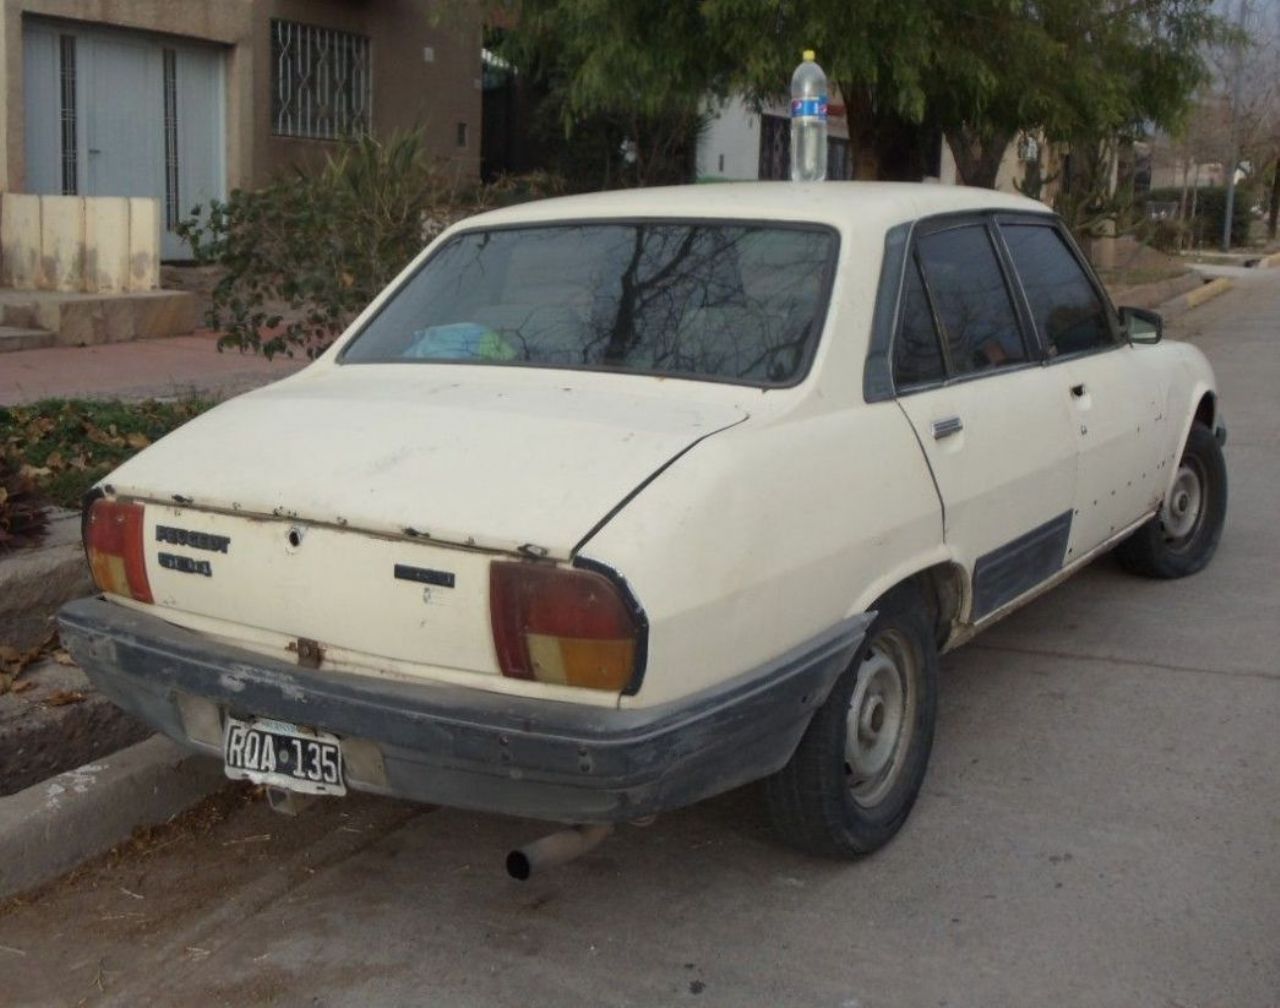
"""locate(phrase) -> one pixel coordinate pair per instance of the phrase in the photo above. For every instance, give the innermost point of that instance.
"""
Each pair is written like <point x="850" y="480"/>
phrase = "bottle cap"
<point x="810" y="55"/>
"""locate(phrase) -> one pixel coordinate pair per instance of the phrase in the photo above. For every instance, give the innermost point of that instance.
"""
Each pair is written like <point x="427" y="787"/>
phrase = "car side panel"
<point x="1007" y="475"/>
<point x="1190" y="379"/>
<point x="1118" y="408"/>
<point x="762" y="536"/>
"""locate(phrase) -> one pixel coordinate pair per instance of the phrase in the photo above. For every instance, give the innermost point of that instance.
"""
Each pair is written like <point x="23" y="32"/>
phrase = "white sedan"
<point x="614" y="502"/>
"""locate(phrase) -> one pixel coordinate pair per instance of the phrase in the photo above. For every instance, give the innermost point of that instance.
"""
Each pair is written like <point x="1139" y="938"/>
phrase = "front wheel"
<point x="1182" y="538"/>
<point x="855" y="775"/>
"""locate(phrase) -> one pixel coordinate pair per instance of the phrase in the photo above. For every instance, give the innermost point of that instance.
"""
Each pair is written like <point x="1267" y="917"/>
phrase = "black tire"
<point x="818" y="802"/>
<point x="1177" y="542"/>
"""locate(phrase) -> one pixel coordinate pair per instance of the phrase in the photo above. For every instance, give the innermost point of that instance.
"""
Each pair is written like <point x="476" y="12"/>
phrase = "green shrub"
<point x="1205" y="228"/>
<point x="1167" y="234"/>
<point x="302" y="256"/>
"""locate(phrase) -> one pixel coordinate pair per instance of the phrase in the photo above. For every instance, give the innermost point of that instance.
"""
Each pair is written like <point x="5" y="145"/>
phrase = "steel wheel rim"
<point x="1183" y="510"/>
<point x="881" y="718"/>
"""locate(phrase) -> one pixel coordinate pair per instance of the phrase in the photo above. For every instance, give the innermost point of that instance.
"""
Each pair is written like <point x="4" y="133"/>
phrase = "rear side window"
<point x="979" y="326"/>
<point x="917" y="355"/>
<point x="1069" y="315"/>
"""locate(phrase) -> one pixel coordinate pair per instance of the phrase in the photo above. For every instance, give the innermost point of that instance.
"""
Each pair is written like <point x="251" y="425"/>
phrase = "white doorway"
<point x="116" y="113"/>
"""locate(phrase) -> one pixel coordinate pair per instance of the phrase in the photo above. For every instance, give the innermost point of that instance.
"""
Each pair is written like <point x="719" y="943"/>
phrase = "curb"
<point x="35" y="581"/>
<point x="1269" y="262"/>
<point x="1194" y="299"/>
<point x="53" y="826"/>
<point x="1208" y="292"/>
<point x="1151" y="295"/>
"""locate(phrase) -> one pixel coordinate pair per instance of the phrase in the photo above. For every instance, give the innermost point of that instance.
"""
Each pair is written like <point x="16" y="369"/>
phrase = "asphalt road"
<point x="1100" y="826"/>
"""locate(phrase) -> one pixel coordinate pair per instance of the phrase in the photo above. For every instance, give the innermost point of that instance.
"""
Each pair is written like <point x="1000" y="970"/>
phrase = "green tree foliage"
<point x="979" y="71"/>
<point x="623" y="84"/>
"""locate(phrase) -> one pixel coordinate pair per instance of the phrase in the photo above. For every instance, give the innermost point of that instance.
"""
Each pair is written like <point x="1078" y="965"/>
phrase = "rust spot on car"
<point x="310" y="653"/>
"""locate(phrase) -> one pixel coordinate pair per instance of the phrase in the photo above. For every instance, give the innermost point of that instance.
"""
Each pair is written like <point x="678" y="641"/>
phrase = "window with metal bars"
<point x="170" y="139"/>
<point x="67" y="113"/>
<point x="321" y="83"/>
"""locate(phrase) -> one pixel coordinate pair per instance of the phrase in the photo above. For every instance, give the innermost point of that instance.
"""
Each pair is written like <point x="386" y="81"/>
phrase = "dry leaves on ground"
<point x="14" y="662"/>
<point x="62" y="697"/>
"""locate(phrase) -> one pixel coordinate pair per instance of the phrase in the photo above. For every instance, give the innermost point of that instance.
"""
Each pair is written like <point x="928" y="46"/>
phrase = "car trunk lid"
<point x="360" y="508"/>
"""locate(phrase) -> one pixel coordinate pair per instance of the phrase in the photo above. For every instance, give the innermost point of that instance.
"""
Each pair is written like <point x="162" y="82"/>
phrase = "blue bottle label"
<point x="809" y="108"/>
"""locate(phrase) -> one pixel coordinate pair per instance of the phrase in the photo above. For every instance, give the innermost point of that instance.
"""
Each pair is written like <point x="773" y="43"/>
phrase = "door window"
<point x="917" y="355"/>
<point x="1069" y="315"/>
<point x="979" y="325"/>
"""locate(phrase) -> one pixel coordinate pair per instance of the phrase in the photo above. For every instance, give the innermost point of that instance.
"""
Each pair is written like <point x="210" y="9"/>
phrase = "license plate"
<point x="283" y="755"/>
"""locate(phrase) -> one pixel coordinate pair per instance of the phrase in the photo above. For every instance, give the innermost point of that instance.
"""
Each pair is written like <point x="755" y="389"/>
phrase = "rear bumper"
<point x="463" y="747"/>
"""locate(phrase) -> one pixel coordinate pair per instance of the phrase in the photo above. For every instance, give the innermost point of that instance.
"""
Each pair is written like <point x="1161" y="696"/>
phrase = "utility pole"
<point x="1236" y="72"/>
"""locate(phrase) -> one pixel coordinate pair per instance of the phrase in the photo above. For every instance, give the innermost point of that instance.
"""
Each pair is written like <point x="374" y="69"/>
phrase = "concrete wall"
<point x="95" y="244"/>
<point x="730" y="146"/>
<point x="408" y="90"/>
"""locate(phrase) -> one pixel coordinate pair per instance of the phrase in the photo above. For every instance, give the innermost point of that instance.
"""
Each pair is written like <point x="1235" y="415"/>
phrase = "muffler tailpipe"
<point x="556" y="849"/>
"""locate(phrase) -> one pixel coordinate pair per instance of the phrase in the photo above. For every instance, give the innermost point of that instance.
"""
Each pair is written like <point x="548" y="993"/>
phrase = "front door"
<point x="996" y="430"/>
<point x="1115" y="402"/>
<point x="124" y="119"/>
<point x="118" y="113"/>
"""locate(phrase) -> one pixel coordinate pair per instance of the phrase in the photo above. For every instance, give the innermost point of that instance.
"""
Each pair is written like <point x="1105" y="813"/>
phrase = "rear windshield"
<point x="732" y="302"/>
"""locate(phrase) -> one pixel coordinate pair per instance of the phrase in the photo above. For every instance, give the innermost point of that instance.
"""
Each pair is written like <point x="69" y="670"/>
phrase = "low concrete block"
<point x="164" y="313"/>
<point x="19" y="240"/>
<point x="144" y="244"/>
<point x="53" y="826"/>
<point x="35" y="582"/>
<point x="12" y="339"/>
<point x="106" y="243"/>
<point x="61" y="243"/>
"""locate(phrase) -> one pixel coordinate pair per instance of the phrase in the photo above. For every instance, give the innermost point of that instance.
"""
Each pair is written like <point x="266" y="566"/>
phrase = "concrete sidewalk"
<point x="180" y="365"/>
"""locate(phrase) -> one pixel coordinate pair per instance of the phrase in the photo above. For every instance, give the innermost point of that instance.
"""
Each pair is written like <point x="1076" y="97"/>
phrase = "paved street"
<point x="1100" y="826"/>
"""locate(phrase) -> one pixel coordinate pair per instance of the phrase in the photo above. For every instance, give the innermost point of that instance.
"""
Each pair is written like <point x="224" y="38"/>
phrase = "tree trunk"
<point x="978" y="156"/>
<point x="883" y="145"/>
<point x="1275" y="201"/>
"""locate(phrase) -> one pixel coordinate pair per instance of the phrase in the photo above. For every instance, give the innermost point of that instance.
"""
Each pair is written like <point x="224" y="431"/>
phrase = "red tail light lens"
<point x="113" y="543"/>
<point x="557" y="625"/>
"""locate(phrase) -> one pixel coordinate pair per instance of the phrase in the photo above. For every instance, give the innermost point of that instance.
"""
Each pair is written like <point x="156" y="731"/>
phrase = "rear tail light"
<point x="113" y="544"/>
<point x="557" y="625"/>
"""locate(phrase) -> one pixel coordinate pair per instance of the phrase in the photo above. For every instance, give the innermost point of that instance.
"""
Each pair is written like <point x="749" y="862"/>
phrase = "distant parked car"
<point x="615" y="502"/>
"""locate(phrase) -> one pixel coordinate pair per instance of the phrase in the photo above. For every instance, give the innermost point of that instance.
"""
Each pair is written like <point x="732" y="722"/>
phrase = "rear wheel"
<point x="855" y="775"/>
<point x="1182" y="538"/>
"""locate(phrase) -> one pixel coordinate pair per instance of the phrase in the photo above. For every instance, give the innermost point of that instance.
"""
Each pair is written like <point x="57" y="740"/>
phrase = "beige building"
<point x="184" y="100"/>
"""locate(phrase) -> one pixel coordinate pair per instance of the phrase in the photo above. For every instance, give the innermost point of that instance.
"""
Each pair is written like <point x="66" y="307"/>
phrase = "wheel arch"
<point x="1206" y="410"/>
<point x="946" y="588"/>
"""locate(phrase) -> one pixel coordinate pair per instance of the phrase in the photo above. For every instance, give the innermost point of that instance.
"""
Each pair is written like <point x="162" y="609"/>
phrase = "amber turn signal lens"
<point x="113" y="544"/>
<point x="560" y="625"/>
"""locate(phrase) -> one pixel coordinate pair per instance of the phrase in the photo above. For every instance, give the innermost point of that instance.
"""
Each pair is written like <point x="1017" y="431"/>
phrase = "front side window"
<point x="723" y="301"/>
<point x="321" y="86"/>
<point x="1069" y="315"/>
<point x="979" y="326"/>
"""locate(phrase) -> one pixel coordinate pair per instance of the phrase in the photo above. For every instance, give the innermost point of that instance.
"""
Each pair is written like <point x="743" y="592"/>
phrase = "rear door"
<point x="1115" y="402"/>
<point x="993" y="423"/>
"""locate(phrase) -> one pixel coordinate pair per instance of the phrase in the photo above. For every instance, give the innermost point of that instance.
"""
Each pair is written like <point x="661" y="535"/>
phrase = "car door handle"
<point x="1078" y="390"/>
<point x="946" y="427"/>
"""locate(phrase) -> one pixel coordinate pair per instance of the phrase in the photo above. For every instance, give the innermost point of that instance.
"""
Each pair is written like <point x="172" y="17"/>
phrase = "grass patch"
<point x="68" y="445"/>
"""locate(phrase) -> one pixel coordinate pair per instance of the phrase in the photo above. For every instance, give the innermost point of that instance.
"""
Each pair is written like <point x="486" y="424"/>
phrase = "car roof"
<point x="839" y="204"/>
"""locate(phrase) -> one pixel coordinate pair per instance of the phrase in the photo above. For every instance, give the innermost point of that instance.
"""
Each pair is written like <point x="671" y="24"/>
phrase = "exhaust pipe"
<point x="556" y="849"/>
